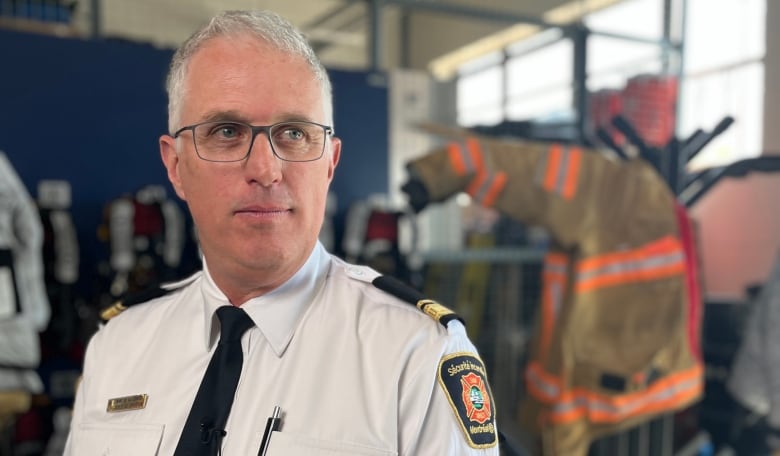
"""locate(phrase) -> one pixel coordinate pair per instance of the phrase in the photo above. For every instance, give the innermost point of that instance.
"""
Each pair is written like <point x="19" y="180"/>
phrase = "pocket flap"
<point x="289" y="444"/>
<point x="119" y="439"/>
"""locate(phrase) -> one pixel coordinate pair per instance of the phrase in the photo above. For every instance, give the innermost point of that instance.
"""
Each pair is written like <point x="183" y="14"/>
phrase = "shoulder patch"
<point x="463" y="378"/>
<point x="406" y="293"/>
<point x="142" y="296"/>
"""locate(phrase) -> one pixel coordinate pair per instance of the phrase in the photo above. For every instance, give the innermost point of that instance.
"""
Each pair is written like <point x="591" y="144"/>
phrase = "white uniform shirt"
<point x="354" y="370"/>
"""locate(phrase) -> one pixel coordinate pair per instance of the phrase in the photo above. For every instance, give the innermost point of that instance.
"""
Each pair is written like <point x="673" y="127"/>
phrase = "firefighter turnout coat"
<point x="616" y="341"/>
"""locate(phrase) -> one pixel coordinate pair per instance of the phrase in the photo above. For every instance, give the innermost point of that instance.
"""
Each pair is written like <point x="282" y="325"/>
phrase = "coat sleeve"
<point x="453" y="401"/>
<point x="570" y="191"/>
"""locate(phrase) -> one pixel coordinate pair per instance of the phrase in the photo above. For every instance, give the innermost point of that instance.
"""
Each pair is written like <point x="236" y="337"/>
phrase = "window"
<point x="724" y="75"/>
<point x="722" y="72"/>
<point x="480" y="92"/>
<point x="539" y="83"/>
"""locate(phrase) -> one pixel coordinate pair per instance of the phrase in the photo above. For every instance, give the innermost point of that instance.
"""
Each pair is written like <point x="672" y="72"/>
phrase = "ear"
<point x="335" y="154"/>
<point x="170" y="158"/>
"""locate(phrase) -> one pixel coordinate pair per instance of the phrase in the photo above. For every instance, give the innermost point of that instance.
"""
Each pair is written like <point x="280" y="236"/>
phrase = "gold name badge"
<point x="123" y="404"/>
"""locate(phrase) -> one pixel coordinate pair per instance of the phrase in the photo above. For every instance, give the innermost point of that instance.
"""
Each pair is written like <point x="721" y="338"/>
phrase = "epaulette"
<point x="130" y="299"/>
<point x="408" y="294"/>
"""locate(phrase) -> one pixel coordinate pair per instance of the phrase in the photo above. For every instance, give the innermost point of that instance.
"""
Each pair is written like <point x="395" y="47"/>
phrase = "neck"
<point x="240" y="282"/>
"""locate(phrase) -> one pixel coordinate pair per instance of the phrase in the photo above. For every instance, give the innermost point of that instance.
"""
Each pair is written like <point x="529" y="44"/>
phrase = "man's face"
<point x="259" y="218"/>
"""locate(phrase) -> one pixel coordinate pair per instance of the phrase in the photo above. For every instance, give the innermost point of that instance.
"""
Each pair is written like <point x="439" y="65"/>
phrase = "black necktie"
<point x="204" y="429"/>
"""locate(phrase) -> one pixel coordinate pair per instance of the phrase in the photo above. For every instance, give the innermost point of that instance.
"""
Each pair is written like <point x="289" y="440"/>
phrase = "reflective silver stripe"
<point x="541" y="170"/>
<point x="560" y="173"/>
<point x="563" y="167"/>
<point x="481" y="193"/>
<point x="466" y="156"/>
<point x="556" y="287"/>
<point x="616" y="268"/>
<point x="583" y="402"/>
<point x="556" y="290"/>
<point x="552" y="391"/>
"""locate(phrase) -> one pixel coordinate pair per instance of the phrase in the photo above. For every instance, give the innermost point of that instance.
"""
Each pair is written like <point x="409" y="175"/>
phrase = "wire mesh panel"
<point x="495" y="290"/>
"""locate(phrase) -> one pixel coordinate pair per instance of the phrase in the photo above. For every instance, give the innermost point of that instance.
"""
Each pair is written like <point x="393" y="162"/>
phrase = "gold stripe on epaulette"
<point x="433" y="309"/>
<point x="113" y="311"/>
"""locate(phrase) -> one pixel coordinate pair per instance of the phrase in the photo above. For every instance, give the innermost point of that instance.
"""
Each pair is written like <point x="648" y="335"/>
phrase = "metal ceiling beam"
<point x="375" y="17"/>
<point x="468" y="11"/>
<point x="318" y="21"/>
<point x="319" y="37"/>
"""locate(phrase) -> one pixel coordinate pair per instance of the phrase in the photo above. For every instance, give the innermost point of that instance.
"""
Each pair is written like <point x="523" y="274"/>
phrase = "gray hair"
<point x="266" y="26"/>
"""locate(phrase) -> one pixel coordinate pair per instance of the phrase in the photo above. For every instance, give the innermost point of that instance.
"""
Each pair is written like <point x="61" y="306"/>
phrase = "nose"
<point x="262" y="166"/>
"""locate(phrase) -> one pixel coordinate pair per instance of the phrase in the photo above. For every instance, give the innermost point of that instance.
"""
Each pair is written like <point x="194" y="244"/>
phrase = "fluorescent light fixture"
<point x="446" y="66"/>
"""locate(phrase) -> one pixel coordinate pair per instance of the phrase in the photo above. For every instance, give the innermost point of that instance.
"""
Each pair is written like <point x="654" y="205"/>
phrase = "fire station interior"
<point x="618" y="274"/>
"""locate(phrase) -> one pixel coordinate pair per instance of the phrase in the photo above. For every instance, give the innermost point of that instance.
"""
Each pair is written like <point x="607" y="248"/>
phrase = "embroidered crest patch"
<point x="464" y="380"/>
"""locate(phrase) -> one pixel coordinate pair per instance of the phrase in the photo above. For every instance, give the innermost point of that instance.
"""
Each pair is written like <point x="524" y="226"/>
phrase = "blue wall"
<point x="90" y="112"/>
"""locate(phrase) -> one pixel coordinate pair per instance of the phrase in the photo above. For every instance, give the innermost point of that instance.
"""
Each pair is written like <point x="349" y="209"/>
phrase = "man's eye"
<point x="226" y="131"/>
<point x="295" y="134"/>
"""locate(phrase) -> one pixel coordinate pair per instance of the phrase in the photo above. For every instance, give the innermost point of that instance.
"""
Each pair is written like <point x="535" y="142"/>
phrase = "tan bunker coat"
<point x="616" y="340"/>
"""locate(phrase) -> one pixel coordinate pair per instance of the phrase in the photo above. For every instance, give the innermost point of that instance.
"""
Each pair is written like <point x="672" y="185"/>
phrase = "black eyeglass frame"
<point x="256" y="130"/>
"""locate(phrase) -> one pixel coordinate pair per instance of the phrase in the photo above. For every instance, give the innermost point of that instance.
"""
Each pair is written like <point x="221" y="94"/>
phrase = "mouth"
<point x="262" y="212"/>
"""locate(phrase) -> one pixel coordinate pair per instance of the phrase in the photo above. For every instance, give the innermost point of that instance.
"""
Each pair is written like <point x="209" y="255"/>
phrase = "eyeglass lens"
<point x="232" y="141"/>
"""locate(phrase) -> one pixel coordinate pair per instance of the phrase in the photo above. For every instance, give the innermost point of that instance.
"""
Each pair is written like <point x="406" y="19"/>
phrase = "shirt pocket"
<point x="289" y="444"/>
<point x="100" y="439"/>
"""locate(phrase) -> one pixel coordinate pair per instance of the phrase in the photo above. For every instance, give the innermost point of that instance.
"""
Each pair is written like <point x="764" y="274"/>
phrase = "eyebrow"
<point x="236" y="116"/>
<point x="231" y="115"/>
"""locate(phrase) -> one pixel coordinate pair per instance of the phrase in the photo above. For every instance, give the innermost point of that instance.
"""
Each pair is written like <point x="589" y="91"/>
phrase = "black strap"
<point x="406" y="293"/>
<point x="204" y="428"/>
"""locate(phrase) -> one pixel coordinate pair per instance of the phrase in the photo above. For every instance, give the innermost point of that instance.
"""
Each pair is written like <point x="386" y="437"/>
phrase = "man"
<point x="344" y="366"/>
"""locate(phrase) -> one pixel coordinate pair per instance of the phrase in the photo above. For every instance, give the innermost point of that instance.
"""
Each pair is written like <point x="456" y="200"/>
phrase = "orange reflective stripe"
<point x="496" y="186"/>
<point x="665" y="244"/>
<point x="567" y="406"/>
<point x="466" y="158"/>
<point x="553" y="162"/>
<point x="456" y="159"/>
<point x="664" y="394"/>
<point x="659" y="259"/>
<point x="562" y="170"/>
<point x="680" y="397"/>
<point x="567" y="413"/>
<point x="572" y="172"/>
<point x="555" y="263"/>
<point x="486" y="184"/>
<point x="630" y="277"/>
<point x="541" y="384"/>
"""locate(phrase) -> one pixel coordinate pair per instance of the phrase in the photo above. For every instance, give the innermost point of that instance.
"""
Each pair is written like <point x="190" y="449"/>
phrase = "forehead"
<point x="243" y="74"/>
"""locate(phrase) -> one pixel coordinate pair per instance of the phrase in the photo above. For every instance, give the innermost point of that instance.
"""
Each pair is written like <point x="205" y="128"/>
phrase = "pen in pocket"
<point x="273" y="423"/>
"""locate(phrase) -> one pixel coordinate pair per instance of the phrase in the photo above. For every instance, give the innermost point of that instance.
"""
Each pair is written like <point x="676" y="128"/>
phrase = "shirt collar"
<point x="276" y="313"/>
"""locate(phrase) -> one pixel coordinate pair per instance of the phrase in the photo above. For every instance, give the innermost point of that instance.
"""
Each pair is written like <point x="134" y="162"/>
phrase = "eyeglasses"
<point x="222" y="141"/>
